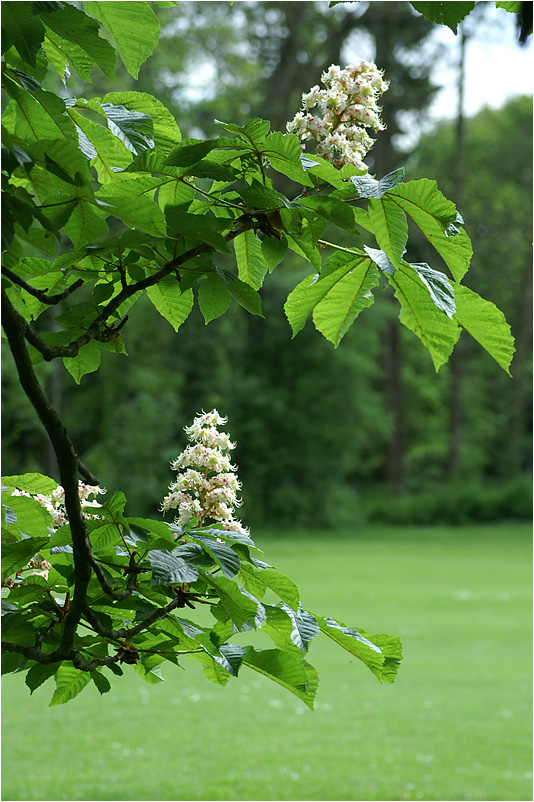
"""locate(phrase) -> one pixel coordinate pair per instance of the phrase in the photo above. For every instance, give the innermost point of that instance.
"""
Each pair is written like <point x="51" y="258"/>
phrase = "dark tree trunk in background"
<point x="398" y="28"/>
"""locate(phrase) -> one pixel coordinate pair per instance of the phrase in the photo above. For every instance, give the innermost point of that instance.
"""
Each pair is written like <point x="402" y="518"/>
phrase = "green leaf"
<point x="239" y="608"/>
<point x="336" y="298"/>
<point x="380" y="653"/>
<point x="433" y="214"/>
<point x="449" y="14"/>
<point x="70" y="682"/>
<point x="166" y="132"/>
<point x="190" y="153"/>
<point x="170" y="302"/>
<point x="419" y="313"/>
<point x="38" y="674"/>
<point x="168" y="569"/>
<point x="75" y="36"/>
<point x="37" y="116"/>
<point x="84" y="225"/>
<point x="223" y="554"/>
<point x="134" y="128"/>
<point x="486" y="323"/>
<point x="31" y="482"/>
<point x="197" y="227"/>
<point x="369" y="187"/>
<point x="102" y="683"/>
<point x="273" y="251"/>
<point x="286" y="669"/>
<point x="390" y="227"/>
<point x="213" y="297"/>
<point x="332" y="209"/>
<point x="250" y="263"/>
<point x="98" y="144"/>
<point x="283" y="152"/>
<point x="513" y="8"/>
<point x="245" y="296"/>
<point x="11" y="661"/>
<point x="305" y="626"/>
<point x="136" y="210"/>
<point x="438" y="286"/>
<point x="86" y="360"/>
<point x="22" y="30"/>
<point x="134" y="27"/>
<point x="260" y="581"/>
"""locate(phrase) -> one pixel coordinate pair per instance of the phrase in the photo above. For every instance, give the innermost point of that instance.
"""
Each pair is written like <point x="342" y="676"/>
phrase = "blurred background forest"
<point x="365" y="433"/>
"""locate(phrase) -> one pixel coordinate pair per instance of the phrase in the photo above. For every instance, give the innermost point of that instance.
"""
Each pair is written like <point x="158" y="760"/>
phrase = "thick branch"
<point x="128" y="634"/>
<point x="41" y="295"/>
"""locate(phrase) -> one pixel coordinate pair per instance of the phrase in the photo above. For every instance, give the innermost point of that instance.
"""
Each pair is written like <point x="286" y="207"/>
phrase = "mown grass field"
<point x="456" y="724"/>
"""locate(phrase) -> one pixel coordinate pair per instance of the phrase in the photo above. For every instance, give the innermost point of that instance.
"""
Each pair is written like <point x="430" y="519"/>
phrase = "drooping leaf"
<point x="102" y="683"/>
<point x="245" y="296"/>
<point x="70" y="682"/>
<point x="38" y="674"/>
<point x="76" y="36"/>
<point x="380" y="653"/>
<point x="99" y="144"/>
<point x="170" y="302"/>
<point x="213" y="297"/>
<point x="419" y="313"/>
<point x="21" y="30"/>
<point x="250" y="262"/>
<point x="486" y="323"/>
<point x="286" y="669"/>
<point x="449" y="14"/>
<point x="38" y="115"/>
<point x="84" y="225"/>
<point x="305" y="626"/>
<point x="134" y="27"/>
<point x="136" y="210"/>
<point x="86" y="360"/>
<point x="273" y="251"/>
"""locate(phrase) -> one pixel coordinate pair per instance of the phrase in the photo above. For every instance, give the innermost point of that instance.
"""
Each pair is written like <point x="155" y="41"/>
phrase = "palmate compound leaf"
<point x="419" y="313"/>
<point x="283" y="153"/>
<point x="134" y="26"/>
<point x="238" y="606"/>
<point x="223" y="554"/>
<point x="70" y="682"/>
<point x="380" y="653"/>
<point x="486" y="323"/>
<point x="336" y="297"/>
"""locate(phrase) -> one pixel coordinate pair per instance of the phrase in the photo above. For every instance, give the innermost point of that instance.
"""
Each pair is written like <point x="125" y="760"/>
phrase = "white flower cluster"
<point x="206" y="485"/>
<point x="348" y="106"/>
<point x="55" y="501"/>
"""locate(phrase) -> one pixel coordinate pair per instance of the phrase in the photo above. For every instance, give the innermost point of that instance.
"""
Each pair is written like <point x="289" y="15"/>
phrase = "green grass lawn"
<point x="455" y="725"/>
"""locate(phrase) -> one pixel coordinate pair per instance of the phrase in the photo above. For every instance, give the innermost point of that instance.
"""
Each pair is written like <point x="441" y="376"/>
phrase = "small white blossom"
<point x="350" y="97"/>
<point x="206" y="486"/>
